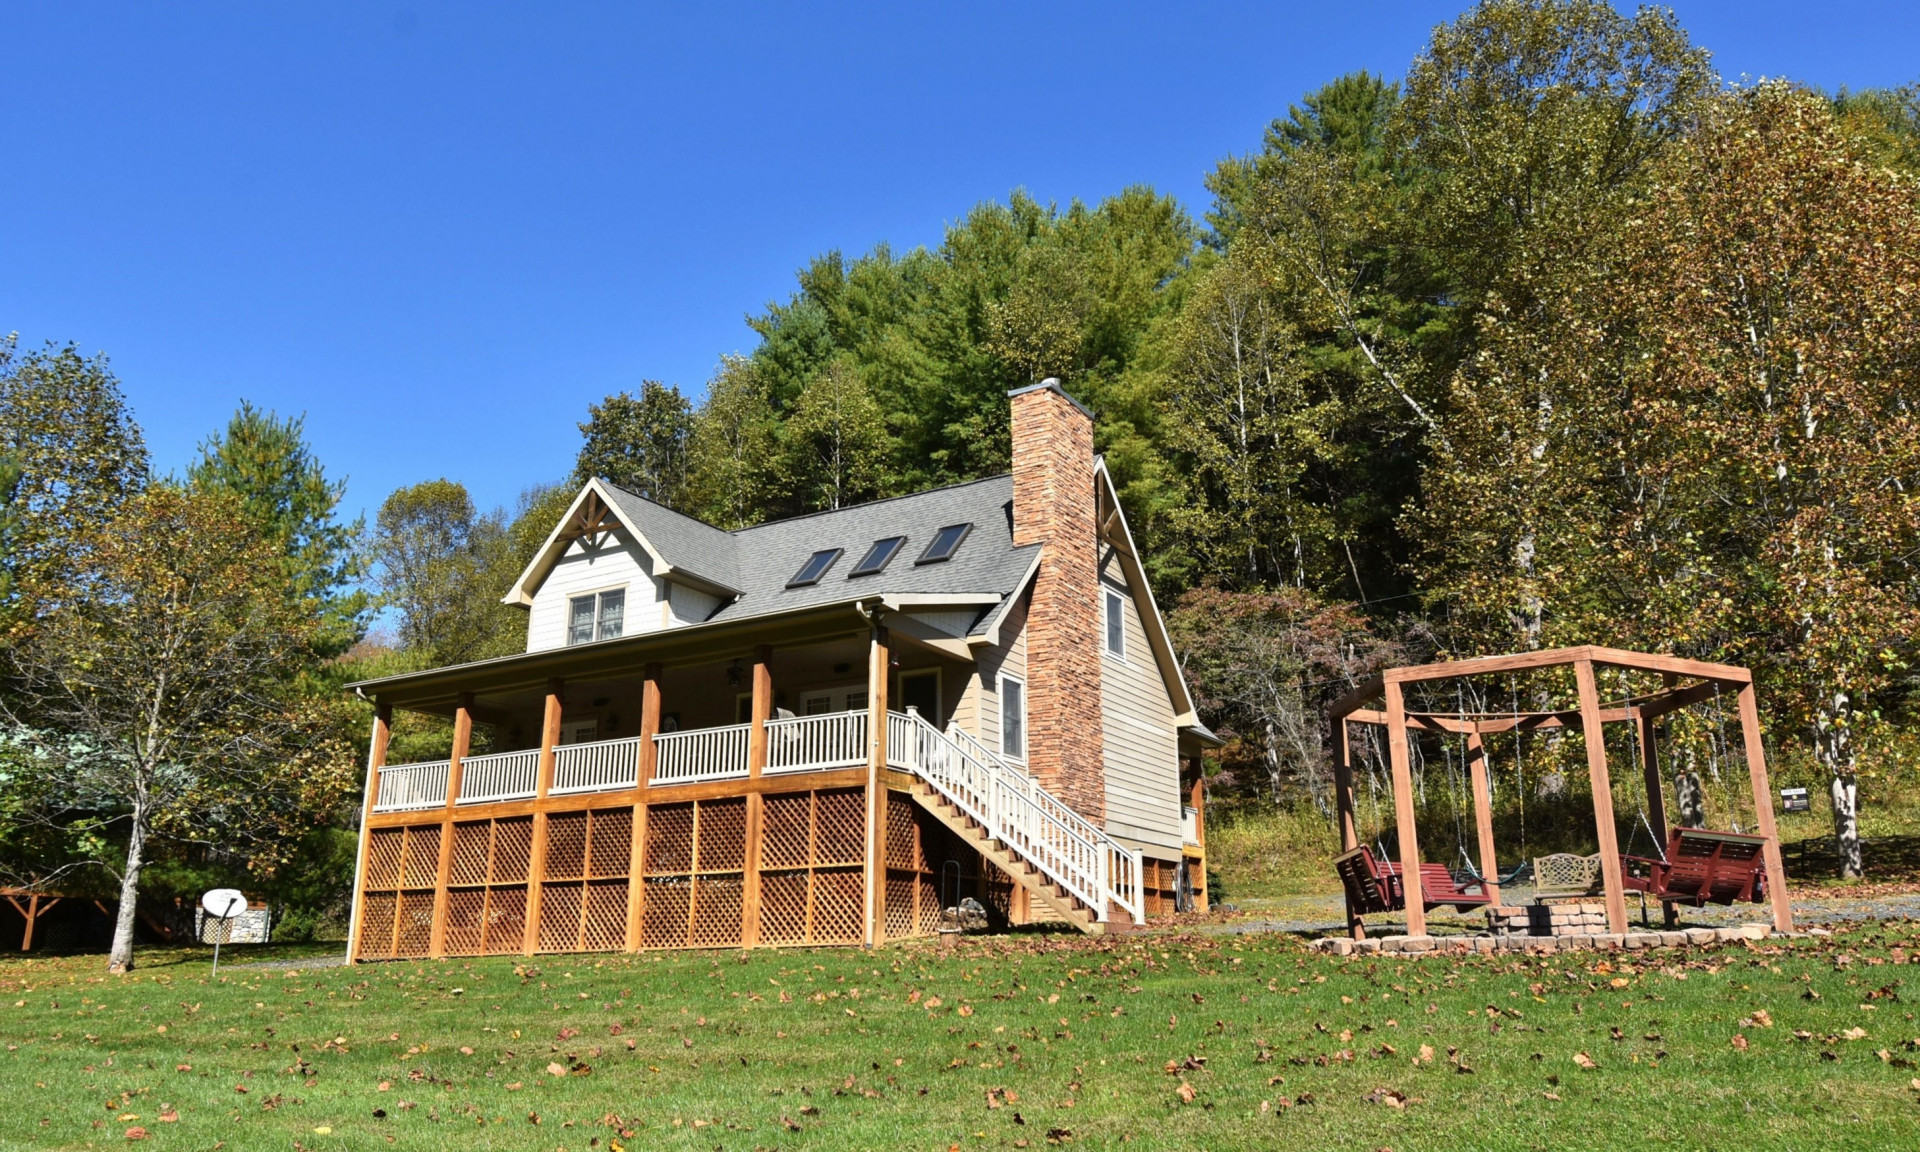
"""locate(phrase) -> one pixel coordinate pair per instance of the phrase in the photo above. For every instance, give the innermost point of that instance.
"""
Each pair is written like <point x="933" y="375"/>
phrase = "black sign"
<point x="1795" y="799"/>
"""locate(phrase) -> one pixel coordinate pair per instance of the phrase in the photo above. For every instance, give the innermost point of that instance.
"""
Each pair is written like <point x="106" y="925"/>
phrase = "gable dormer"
<point x="619" y="565"/>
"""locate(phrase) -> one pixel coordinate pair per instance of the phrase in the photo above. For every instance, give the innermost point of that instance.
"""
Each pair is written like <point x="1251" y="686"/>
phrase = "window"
<point x="1116" y="624"/>
<point x="877" y="556"/>
<point x="597" y="616"/>
<point x="945" y="543"/>
<point x="815" y="567"/>
<point x="1013" y="718"/>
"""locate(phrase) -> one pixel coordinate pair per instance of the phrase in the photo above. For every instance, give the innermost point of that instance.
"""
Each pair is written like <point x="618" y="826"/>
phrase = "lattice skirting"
<point x="667" y="876"/>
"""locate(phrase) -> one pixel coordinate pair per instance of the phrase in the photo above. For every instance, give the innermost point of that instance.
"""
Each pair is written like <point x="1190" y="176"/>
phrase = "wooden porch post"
<point x="1198" y="801"/>
<point x="1403" y="810"/>
<point x="376" y="760"/>
<point x="1483" y="812"/>
<point x="877" y="667"/>
<point x="1656" y="797"/>
<point x="462" y="741"/>
<point x="537" y="855"/>
<point x="756" y="764"/>
<point x="1343" y="802"/>
<point x="1763" y="810"/>
<point x="637" y="850"/>
<point x="1595" y="735"/>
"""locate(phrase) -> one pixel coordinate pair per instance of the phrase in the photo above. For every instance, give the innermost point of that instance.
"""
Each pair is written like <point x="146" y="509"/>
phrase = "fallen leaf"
<point x="1584" y="1060"/>
<point x="136" y="1133"/>
<point x="1185" y="1092"/>
<point x="556" y="1069"/>
<point x="1388" y="1096"/>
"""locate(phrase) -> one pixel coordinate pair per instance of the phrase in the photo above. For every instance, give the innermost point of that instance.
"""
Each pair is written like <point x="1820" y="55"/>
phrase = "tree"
<point x="1265" y="665"/>
<point x="836" y="441"/>
<point x="732" y="448"/>
<point x="154" y="695"/>
<point x="639" y="443"/>
<point x="9" y="518"/>
<point x="284" y="492"/>
<point x="65" y="426"/>
<point x="443" y="566"/>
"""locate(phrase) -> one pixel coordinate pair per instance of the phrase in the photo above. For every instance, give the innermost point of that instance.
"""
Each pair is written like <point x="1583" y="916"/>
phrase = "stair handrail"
<point x="1120" y="866"/>
<point x="1013" y="808"/>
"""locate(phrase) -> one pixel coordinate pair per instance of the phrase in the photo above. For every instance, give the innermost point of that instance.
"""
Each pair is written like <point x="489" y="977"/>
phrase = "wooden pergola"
<point x="1684" y="683"/>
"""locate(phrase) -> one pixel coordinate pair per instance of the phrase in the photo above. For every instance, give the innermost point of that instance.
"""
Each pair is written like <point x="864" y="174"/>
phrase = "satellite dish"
<point x="224" y="902"/>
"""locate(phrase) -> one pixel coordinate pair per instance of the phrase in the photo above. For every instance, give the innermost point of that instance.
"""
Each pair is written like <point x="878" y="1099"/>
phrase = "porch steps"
<point x="1022" y="871"/>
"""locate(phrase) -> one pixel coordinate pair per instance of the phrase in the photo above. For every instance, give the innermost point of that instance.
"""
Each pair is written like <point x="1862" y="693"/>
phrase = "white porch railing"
<point x="814" y="743"/>
<point x="1014" y="809"/>
<point x="701" y="754"/>
<point x="499" y="776"/>
<point x="600" y="766"/>
<point x="406" y="787"/>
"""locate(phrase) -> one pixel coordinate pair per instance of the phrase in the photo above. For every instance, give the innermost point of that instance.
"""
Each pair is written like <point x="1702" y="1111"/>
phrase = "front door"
<point x="579" y="731"/>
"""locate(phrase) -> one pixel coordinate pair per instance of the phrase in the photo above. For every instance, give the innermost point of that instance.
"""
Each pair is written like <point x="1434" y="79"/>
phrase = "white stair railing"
<point x="406" y="787"/>
<point x="1014" y="809"/>
<point x="701" y="754"/>
<point x="599" y="766"/>
<point x="811" y="743"/>
<point x="500" y="776"/>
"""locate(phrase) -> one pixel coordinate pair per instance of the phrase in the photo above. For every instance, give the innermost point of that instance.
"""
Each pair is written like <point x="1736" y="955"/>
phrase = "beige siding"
<point x="690" y="605"/>
<point x="1137" y="724"/>
<point x="617" y="562"/>
<point x="978" y="709"/>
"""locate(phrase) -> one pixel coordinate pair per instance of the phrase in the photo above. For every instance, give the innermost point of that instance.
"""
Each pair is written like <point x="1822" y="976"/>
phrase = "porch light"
<point x="733" y="674"/>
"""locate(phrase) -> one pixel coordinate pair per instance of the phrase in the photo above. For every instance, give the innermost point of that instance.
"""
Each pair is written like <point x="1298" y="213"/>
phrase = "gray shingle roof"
<point x="759" y="561"/>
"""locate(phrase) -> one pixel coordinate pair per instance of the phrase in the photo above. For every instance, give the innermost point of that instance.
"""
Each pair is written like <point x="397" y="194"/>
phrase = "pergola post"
<point x="543" y="782"/>
<point x="637" y="847"/>
<point x="1343" y="803"/>
<point x="1403" y="810"/>
<point x="1763" y="810"/>
<point x="878" y="663"/>
<point x="1595" y="734"/>
<point x="462" y="742"/>
<point x="1656" y="796"/>
<point x="756" y="764"/>
<point x="376" y="760"/>
<point x="1483" y="812"/>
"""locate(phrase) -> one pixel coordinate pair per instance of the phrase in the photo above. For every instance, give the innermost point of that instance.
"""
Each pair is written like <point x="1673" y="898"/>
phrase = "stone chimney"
<point x="1053" y="506"/>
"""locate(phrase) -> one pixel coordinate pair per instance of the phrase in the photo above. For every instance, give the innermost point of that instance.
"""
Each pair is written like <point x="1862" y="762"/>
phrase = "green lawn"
<point x="1158" y="1041"/>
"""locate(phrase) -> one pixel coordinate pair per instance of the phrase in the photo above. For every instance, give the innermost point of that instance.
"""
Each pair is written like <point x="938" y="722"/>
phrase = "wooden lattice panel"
<point x="384" y="846"/>
<point x="559" y="917"/>
<point x="566" y="846"/>
<point x="721" y="835"/>
<point x="512" y="849"/>
<point x="415" y="934"/>
<point x="420" y="865"/>
<point x="840" y="827"/>
<point x="669" y="839"/>
<point x="609" y="843"/>
<point x="603" y="916"/>
<point x="466" y="920"/>
<point x="376" y="924"/>
<point x="716" y="911"/>
<point x="664" y="917"/>
<point x="787" y="831"/>
<point x="506" y="922"/>
<point x="903" y="843"/>
<point x="839" y="913"/>
<point x="470" y="844"/>
<point x="926" y="909"/>
<point x="900" y="915"/>
<point x="783" y="907"/>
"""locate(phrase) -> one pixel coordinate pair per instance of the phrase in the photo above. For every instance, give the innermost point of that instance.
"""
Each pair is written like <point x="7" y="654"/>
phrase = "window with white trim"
<point x="597" y="616"/>
<point x="1116" y="624"/>
<point x="1013" y="718"/>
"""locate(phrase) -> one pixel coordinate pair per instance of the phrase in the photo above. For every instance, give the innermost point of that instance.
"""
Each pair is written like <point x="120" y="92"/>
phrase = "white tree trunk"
<point x="1691" y="798"/>
<point x="1845" y="792"/>
<point x="120" y="957"/>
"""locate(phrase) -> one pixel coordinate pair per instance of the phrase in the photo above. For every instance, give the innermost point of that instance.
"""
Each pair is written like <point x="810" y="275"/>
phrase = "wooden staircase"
<point x="1063" y="904"/>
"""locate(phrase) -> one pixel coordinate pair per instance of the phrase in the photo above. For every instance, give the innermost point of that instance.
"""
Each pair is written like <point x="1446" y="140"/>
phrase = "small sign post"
<point x="222" y="904"/>
<point x="1795" y="800"/>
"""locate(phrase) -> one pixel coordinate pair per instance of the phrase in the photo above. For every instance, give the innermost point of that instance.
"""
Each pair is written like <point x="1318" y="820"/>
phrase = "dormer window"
<point x="944" y="544"/>
<point x="598" y="616"/>
<point x="815" y="567"/>
<point x="878" y="556"/>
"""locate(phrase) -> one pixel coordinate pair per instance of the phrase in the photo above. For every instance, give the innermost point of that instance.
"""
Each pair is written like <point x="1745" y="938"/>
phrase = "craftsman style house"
<point x="824" y="730"/>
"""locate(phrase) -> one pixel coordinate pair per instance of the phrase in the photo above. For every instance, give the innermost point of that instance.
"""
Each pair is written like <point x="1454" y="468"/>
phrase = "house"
<point x="822" y="730"/>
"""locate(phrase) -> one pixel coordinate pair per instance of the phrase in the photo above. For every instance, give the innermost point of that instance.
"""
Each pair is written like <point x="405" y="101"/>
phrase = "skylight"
<point x="878" y="556"/>
<point x="945" y="543"/>
<point x="815" y="567"/>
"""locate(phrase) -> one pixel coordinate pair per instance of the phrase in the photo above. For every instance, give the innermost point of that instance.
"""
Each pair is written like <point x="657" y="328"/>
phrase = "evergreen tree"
<point x="638" y="442"/>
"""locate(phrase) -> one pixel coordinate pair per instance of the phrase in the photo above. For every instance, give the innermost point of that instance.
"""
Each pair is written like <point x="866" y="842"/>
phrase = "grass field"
<point x="1032" y="1041"/>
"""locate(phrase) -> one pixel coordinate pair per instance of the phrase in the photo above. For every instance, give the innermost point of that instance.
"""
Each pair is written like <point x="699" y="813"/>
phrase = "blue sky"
<point x="440" y="231"/>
